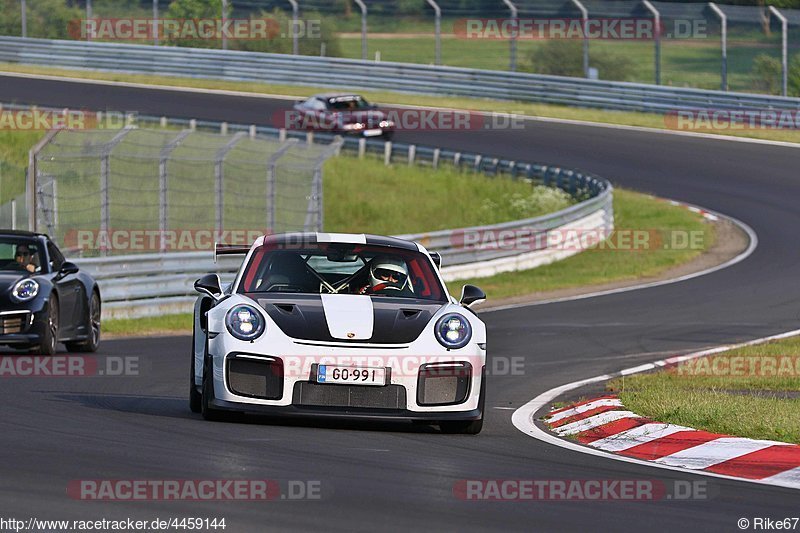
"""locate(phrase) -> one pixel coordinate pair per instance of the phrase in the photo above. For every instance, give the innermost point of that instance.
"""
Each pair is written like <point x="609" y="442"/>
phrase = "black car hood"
<point x="395" y="320"/>
<point x="10" y="278"/>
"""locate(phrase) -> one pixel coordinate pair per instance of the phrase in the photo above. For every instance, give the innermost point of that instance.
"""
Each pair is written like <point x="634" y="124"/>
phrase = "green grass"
<point x="734" y="393"/>
<point x="14" y="146"/>
<point x="368" y="196"/>
<point x="179" y="323"/>
<point x="386" y="97"/>
<point x="632" y="211"/>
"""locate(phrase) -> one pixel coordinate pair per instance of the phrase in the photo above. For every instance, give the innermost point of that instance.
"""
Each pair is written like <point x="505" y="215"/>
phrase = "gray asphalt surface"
<point x="389" y="477"/>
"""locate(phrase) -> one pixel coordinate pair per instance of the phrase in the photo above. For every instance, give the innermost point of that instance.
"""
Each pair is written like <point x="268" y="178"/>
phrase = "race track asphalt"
<point x="389" y="477"/>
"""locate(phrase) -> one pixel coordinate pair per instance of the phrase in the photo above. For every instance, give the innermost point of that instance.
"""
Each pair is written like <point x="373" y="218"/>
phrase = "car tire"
<point x="49" y="340"/>
<point x="93" y="340"/>
<point x="208" y="412"/>
<point x="195" y="398"/>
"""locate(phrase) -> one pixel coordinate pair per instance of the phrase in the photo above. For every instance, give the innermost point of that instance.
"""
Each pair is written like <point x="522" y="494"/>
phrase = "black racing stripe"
<point x="302" y="316"/>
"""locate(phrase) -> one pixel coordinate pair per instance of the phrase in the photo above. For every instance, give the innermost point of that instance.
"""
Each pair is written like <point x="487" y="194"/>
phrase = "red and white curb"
<point x="603" y="428"/>
<point x="605" y="424"/>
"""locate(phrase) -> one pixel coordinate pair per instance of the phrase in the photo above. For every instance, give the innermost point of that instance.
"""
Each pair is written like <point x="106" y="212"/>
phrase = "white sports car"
<point x="339" y="325"/>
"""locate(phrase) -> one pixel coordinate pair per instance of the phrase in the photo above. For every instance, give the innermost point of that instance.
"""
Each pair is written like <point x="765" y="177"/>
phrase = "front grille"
<point x="255" y="378"/>
<point x="11" y="324"/>
<point x="316" y="394"/>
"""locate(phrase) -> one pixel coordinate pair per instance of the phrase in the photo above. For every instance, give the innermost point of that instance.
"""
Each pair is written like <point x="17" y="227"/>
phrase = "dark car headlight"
<point x="244" y="322"/>
<point x="453" y="331"/>
<point x="25" y="290"/>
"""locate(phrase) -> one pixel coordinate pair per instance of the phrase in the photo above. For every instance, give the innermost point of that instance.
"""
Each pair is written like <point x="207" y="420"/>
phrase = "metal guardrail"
<point x="147" y="284"/>
<point x="404" y="77"/>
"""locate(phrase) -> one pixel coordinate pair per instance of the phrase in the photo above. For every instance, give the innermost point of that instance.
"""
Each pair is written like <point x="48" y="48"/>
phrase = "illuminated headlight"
<point x="453" y="331"/>
<point x="244" y="322"/>
<point x="25" y="290"/>
<point x="386" y="124"/>
<point x="356" y="126"/>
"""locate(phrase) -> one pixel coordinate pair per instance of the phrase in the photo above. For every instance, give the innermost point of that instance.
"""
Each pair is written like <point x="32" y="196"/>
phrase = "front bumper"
<point x="30" y="331"/>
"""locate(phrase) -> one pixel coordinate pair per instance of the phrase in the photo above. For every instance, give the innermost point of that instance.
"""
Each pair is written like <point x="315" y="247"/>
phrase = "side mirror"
<point x="68" y="268"/>
<point x="470" y="295"/>
<point x="209" y="284"/>
<point x="437" y="259"/>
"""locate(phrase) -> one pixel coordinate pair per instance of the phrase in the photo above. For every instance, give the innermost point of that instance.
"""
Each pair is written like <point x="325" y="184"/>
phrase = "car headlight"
<point x="386" y="124"/>
<point x="354" y="126"/>
<point x="453" y="331"/>
<point x="244" y="322"/>
<point x="25" y="290"/>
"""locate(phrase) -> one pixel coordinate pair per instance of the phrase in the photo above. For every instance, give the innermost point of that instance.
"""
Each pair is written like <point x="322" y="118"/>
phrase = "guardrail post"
<point x="219" y="175"/>
<point x="412" y="154"/>
<point x="438" y="30"/>
<point x="163" y="122"/>
<point x="363" y="8"/>
<point x="13" y="213"/>
<point x="24" y="8"/>
<point x="585" y="19"/>
<point x="272" y="164"/>
<point x="310" y="137"/>
<point x="784" y="49"/>
<point x="223" y="128"/>
<point x="362" y="147"/>
<point x="193" y="124"/>
<point x="295" y="16"/>
<point x="657" y="38"/>
<point x="512" y="46"/>
<point x="387" y="153"/>
<point x="252" y="131"/>
<point x="723" y="20"/>
<point x="437" y="152"/>
<point x="155" y="22"/>
<point x="282" y="134"/>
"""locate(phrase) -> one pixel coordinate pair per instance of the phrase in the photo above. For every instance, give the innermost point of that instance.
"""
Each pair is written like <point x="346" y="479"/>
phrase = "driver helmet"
<point x="389" y="272"/>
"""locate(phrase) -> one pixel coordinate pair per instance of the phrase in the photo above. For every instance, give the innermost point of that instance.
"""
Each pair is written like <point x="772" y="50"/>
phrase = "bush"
<point x="794" y="76"/>
<point x="565" y="58"/>
<point x="281" y="43"/>
<point x="766" y="74"/>
<point x="47" y="19"/>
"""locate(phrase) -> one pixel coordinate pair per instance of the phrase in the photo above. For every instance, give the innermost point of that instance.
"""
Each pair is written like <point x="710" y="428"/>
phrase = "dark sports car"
<point x="347" y="114"/>
<point x="45" y="299"/>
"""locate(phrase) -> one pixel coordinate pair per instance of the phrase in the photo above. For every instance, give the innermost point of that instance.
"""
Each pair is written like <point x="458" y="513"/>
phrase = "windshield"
<point x="342" y="269"/>
<point x="20" y="254"/>
<point x="348" y="103"/>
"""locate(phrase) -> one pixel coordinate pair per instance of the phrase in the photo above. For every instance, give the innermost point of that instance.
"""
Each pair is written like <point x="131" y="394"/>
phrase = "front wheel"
<point x="47" y="346"/>
<point x="93" y="340"/>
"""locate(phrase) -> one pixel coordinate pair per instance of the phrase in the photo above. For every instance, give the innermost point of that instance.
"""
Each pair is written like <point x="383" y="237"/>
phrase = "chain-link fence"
<point x="101" y="192"/>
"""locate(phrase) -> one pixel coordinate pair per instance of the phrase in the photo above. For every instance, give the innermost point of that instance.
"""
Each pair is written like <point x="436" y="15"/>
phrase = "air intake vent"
<point x="255" y="378"/>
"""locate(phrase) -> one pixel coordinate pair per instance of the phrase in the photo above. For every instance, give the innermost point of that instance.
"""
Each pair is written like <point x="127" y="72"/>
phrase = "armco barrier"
<point x="405" y="77"/>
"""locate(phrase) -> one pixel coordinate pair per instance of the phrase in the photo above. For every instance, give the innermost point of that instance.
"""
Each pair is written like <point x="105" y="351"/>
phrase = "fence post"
<point x="314" y="213"/>
<point x="412" y="154"/>
<point x="724" y="41"/>
<point x="387" y="153"/>
<point x="512" y="48"/>
<point x="24" y="8"/>
<point x="272" y="163"/>
<point x="32" y="177"/>
<point x="105" y="173"/>
<point x="13" y="213"/>
<point x="224" y="20"/>
<point x="362" y="147"/>
<point x="219" y="176"/>
<point x="436" y="154"/>
<point x="438" y="29"/>
<point x="155" y="22"/>
<point x="585" y="19"/>
<point x="88" y="17"/>
<point x="784" y="49"/>
<point x="657" y="38"/>
<point x="295" y="16"/>
<point x="163" y="187"/>
<point x="363" y="7"/>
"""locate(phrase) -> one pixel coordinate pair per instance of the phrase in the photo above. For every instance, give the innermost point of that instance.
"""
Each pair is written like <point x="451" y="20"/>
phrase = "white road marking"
<point x="636" y="436"/>
<point x="605" y="402"/>
<point x="714" y="452"/>
<point x="592" y="422"/>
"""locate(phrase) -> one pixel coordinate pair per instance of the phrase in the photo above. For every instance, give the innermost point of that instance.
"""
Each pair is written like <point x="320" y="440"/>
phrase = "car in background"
<point x="341" y="113"/>
<point x="45" y="299"/>
<point x="345" y="326"/>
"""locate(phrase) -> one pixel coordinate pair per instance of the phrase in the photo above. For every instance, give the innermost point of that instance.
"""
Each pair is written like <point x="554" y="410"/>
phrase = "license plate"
<point x="372" y="133"/>
<point x="351" y="375"/>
